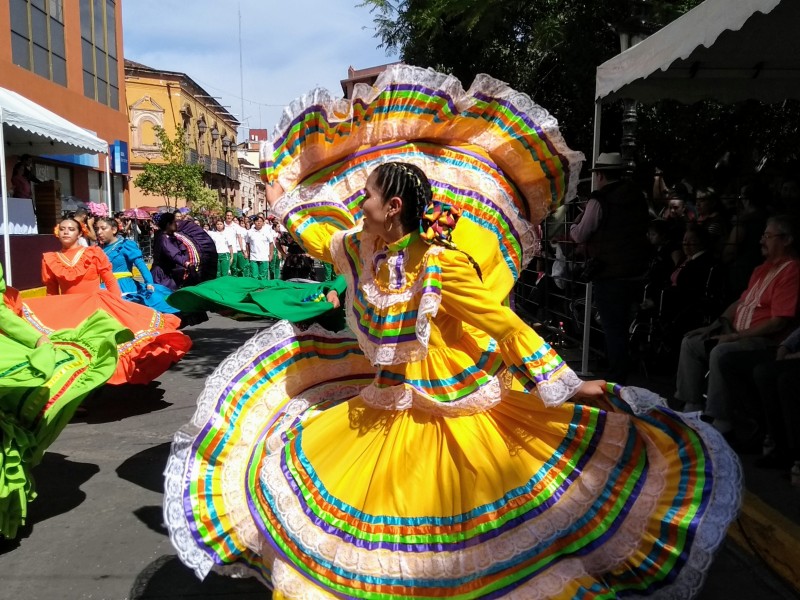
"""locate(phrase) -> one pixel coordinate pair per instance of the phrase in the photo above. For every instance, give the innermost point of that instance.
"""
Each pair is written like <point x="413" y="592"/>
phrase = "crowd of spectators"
<point x="702" y="281"/>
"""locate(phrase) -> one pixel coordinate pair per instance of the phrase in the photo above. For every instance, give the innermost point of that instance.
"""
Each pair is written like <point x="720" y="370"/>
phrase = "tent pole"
<point x="587" y="309"/>
<point x="4" y="190"/>
<point x="108" y="186"/>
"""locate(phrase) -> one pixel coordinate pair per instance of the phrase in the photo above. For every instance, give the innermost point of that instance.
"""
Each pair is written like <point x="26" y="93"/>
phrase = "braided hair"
<point x="420" y="211"/>
<point x="410" y="184"/>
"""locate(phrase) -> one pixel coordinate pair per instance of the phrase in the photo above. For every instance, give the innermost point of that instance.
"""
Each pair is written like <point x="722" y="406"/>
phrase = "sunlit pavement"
<point x="96" y="530"/>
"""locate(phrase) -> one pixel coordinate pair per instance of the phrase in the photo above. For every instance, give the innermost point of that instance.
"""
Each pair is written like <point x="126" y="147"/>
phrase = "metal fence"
<point x="553" y="294"/>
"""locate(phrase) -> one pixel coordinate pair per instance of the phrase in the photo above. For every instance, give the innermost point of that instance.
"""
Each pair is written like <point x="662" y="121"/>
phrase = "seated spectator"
<point x="742" y="251"/>
<point x="777" y="382"/>
<point x="677" y="215"/>
<point x="758" y="320"/>
<point x="664" y="258"/>
<point x="686" y="300"/>
<point x="711" y="218"/>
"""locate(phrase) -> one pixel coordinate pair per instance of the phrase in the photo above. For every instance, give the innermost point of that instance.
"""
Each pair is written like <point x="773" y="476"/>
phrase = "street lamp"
<point x="201" y="127"/>
<point x="632" y="31"/>
<point x="226" y="146"/>
<point x="214" y="134"/>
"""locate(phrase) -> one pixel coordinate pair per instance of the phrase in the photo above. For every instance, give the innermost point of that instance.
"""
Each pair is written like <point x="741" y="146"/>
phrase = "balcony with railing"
<point x="212" y="165"/>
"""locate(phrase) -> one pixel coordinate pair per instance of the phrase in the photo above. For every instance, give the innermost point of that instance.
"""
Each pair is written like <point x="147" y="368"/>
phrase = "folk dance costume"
<point x="40" y="388"/>
<point x="124" y="255"/>
<point x="73" y="282"/>
<point x="187" y="257"/>
<point x="275" y="299"/>
<point x="433" y="451"/>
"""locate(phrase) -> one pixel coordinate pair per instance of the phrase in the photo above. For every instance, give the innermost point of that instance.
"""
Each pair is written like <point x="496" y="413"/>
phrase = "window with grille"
<point x="37" y="38"/>
<point x="99" y="50"/>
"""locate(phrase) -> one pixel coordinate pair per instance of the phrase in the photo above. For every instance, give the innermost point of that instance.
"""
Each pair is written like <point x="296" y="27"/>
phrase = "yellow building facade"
<point x="170" y="100"/>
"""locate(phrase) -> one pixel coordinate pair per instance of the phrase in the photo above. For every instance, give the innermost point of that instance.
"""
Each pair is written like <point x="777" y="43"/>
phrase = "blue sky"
<point x="288" y="48"/>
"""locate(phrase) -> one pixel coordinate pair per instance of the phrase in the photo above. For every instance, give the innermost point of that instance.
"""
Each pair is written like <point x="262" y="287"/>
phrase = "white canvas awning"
<point x="28" y="128"/>
<point x="728" y="50"/>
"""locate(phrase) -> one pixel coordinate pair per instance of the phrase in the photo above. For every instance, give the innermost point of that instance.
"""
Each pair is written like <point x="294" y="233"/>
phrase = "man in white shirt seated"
<point x="224" y="240"/>
<point x="260" y="241"/>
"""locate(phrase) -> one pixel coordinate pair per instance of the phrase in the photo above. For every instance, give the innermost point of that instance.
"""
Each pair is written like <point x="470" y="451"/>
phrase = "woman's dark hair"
<point x="71" y="218"/>
<point x="410" y="184"/>
<point x="165" y="219"/>
<point x="109" y="221"/>
<point x="297" y="266"/>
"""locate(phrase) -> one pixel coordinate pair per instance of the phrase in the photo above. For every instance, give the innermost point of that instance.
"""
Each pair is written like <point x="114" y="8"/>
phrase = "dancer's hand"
<point x="590" y="390"/>
<point x="333" y="298"/>
<point x="42" y="341"/>
<point x="274" y="192"/>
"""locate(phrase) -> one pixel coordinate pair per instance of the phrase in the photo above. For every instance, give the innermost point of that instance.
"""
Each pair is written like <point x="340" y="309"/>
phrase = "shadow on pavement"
<point x="146" y="468"/>
<point x="153" y="517"/>
<point x="166" y="578"/>
<point x="58" y="483"/>
<point x="211" y="345"/>
<point x="117" y="402"/>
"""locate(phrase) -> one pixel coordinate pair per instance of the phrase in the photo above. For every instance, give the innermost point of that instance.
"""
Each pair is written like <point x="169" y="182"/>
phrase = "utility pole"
<point x="241" y="77"/>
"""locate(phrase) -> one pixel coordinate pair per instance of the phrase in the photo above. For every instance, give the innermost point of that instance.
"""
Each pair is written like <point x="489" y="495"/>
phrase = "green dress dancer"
<point x="294" y="301"/>
<point x="42" y="381"/>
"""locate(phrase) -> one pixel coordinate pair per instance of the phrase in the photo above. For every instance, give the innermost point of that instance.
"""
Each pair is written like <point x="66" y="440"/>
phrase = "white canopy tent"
<point x="28" y="128"/>
<point x="722" y="49"/>
<point x="726" y="50"/>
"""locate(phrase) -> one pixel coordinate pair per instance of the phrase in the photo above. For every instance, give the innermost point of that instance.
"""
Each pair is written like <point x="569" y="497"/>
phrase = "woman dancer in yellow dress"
<point x="440" y="453"/>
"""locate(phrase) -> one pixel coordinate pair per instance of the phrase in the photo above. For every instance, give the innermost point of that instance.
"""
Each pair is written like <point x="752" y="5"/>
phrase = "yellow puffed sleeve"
<point x="313" y="217"/>
<point x="528" y="357"/>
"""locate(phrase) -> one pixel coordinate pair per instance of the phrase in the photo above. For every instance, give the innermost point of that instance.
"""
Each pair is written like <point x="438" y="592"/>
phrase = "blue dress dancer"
<point x="124" y="255"/>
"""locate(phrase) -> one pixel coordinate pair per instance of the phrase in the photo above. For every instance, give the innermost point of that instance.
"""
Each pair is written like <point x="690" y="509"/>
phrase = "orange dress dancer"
<point x="73" y="278"/>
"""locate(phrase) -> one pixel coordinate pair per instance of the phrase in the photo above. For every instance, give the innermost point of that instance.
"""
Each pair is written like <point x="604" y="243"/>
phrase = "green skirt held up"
<point x="274" y="299"/>
<point x="40" y="388"/>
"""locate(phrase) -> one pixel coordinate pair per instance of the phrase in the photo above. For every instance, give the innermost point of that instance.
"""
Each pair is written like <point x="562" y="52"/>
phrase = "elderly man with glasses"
<point x="757" y="321"/>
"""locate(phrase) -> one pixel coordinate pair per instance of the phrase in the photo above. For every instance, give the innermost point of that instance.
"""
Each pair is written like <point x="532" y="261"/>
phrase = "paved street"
<point x="97" y="530"/>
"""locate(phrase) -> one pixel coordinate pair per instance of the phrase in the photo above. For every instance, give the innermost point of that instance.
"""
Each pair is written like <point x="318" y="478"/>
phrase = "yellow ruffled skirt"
<point x="288" y="472"/>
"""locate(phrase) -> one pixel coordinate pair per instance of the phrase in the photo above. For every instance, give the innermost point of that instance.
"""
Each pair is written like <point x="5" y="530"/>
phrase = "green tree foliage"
<point x="546" y="48"/>
<point x="550" y="49"/>
<point x="174" y="179"/>
<point x="206" y="203"/>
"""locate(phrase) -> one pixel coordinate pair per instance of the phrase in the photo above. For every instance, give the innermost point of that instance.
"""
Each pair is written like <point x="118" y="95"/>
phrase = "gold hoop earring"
<point x="391" y="223"/>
